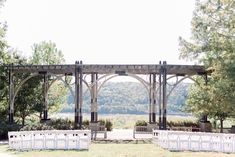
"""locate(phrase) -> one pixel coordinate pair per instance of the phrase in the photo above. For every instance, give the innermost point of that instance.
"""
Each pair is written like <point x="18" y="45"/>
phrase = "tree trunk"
<point x="221" y="125"/>
<point x="23" y="121"/>
<point x="40" y="115"/>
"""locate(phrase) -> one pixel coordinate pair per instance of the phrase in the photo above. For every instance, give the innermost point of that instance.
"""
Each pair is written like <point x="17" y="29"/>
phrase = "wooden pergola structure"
<point x="158" y="75"/>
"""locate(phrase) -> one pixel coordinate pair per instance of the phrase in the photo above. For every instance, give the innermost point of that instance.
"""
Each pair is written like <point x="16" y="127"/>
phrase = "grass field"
<point x="112" y="150"/>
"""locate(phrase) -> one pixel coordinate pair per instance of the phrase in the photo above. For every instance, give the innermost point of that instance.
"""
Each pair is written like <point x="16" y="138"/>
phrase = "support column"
<point x="160" y="96"/>
<point x="96" y="98"/>
<point x="76" y="118"/>
<point x="80" y="95"/>
<point x="150" y="98"/>
<point x="45" y="103"/>
<point x="154" y="99"/>
<point x="164" y="98"/>
<point x="204" y="117"/>
<point x="94" y="104"/>
<point x="11" y="95"/>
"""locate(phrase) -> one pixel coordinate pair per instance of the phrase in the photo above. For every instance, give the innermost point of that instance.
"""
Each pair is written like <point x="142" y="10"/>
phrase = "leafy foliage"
<point x="213" y="44"/>
<point x="46" y="53"/>
<point x="53" y="124"/>
<point x="182" y="124"/>
<point x="141" y="123"/>
<point x="108" y="125"/>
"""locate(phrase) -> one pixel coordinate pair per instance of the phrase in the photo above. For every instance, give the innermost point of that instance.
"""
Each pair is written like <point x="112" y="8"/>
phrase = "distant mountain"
<point x="130" y="98"/>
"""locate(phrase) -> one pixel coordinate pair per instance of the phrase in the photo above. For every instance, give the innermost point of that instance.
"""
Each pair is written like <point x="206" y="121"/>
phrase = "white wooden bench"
<point x="143" y="130"/>
<point x="97" y="128"/>
<point x="190" y="129"/>
<point x="50" y="139"/>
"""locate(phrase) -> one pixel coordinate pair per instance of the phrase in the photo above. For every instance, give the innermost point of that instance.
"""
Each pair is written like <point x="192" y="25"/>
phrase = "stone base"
<point x="45" y="120"/>
<point x="205" y="126"/>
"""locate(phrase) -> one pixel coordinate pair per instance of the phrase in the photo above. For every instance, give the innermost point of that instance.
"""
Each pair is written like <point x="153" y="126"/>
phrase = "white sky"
<point x="102" y="31"/>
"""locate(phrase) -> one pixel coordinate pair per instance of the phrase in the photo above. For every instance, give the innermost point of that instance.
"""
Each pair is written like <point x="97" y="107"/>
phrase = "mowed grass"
<point x="113" y="150"/>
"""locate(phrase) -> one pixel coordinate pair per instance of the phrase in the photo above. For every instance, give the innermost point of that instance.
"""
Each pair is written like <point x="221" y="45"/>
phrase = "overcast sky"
<point x="102" y="31"/>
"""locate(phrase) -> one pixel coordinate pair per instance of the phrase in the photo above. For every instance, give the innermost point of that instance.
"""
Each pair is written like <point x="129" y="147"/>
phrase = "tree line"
<point x="130" y="98"/>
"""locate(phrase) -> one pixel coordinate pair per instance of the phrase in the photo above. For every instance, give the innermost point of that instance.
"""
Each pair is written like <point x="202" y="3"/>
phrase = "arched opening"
<point x="37" y="104"/>
<point x="123" y="100"/>
<point x="177" y="93"/>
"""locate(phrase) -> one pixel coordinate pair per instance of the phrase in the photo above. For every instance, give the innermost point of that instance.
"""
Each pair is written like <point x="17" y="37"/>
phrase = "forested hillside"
<point x="130" y="98"/>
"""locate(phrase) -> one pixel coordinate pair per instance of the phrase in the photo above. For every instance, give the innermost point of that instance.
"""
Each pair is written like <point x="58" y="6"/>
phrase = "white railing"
<point x="194" y="141"/>
<point x="49" y="139"/>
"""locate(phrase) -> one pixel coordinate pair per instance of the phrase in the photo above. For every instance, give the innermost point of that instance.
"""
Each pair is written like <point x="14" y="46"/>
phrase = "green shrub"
<point x="109" y="125"/>
<point x="39" y="126"/>
<point x="141" y="123"/>
<point x="85" y="124"/>
<point x="182" y="124"/>
<point x="5" y="127"/>
<point x="53" y="124"/>
<point x="102" y="122"/>
<point x="61" y="124"/>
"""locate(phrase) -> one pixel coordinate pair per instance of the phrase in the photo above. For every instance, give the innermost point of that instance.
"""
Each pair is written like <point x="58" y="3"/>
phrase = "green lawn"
<point x="113" y="150"/>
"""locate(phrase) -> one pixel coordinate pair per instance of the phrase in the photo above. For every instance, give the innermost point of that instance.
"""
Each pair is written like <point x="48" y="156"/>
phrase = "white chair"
<point x="73" y="141"/>
<point x="50" y="141"/>
<point x="38" y="140"/>
<point x="61" y="140"/>
<point x="26" y="140"/>
<point x="15" y="140"/>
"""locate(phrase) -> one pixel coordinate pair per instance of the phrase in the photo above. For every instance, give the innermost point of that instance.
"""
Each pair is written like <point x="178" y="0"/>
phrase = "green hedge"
<point x="141" y="123"/>
<point x="5" y="127"/>
<point x="63" y="124"/>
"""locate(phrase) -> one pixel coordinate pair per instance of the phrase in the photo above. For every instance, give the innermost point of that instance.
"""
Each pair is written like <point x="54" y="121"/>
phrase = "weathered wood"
<point x="104" y="69"/>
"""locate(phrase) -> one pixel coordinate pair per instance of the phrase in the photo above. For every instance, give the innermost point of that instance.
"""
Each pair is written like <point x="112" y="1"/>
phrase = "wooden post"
<point x="45" y="104"/>
<point x="11" y="95"/>
<point x="94" y="107"/>
<point x="76" y="93"/>
<point x="164" y="101"/>
<point x="80" y="95"/>
<point x="160" y="96"/>
<point x="154" y="99"/>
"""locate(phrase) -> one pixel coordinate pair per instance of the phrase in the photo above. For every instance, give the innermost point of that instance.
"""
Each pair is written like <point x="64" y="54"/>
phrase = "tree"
<point x="26" y="102"/>
<point x="46" y="53"/>
<point x="213" y="44"/>
<point x="4" y="59"/>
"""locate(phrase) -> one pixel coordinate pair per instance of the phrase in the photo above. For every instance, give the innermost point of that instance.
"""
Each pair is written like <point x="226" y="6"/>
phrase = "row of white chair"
<point x="50" y="139"/>
<point x="194" y="141"/>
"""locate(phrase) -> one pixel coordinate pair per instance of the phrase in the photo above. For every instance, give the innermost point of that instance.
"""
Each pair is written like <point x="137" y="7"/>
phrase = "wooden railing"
<point x="194" y="141"/>
<point x="50" y="139"/>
